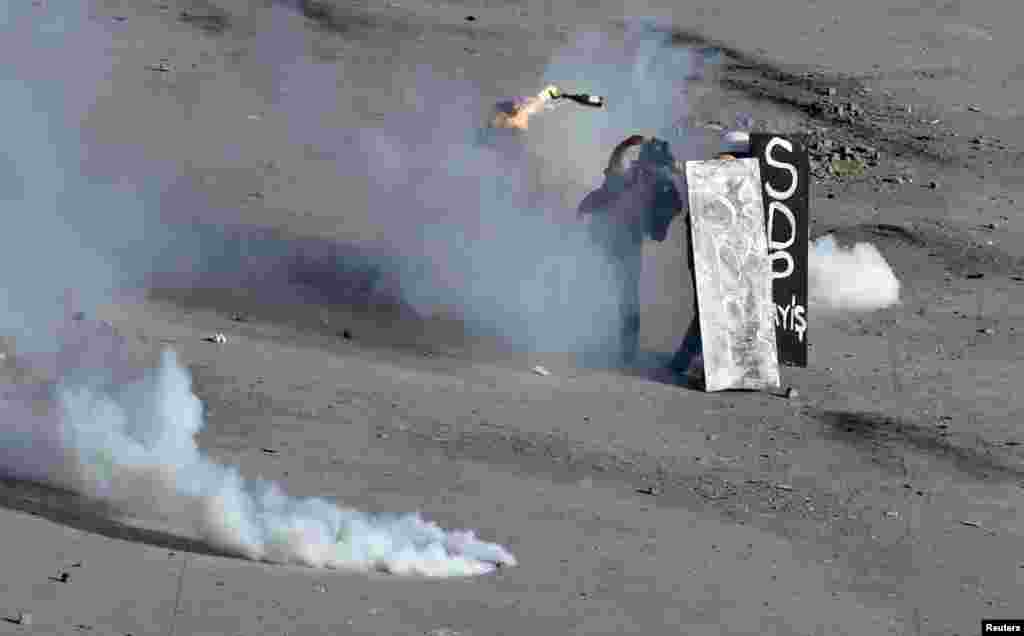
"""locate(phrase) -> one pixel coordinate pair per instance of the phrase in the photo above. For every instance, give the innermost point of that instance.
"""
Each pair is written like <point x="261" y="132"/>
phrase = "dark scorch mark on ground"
<point x="836" y="100"/>
<point x="206" y="16"/>
<point x="888" y="438"/>
<point x="82" y="513"/>
<point x="943" y="241"/>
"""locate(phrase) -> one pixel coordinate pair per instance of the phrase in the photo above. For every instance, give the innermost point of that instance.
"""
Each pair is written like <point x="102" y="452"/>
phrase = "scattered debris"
<point x="320" y="587"/>
<point x="539" y="370"/>
<point x="846" y="168"/>
<point x="791" y="393"/>
<point x="649" y="490"/>
<point x="975" y="524"/>
<point x="988" y="331"/>
<point x="217" y="339"/>
<point x="163" y="66"/>
<point x="443" y="631"/>
<point x="783" y="487"/>
<point x="973" y="108"/>
<point x="120" y="18"/>
<point x="346" y="334"/>
<point x="63" y="577"/>
<point x="270" y="451"/>
<point x="892" y="514"/>
<point x="215" y="22"/>
<point x="470" y="18"/>
<point x="24" y="618"/>
<point x="974" y="276"/>
<point x="1011" y="442"/>
<point x="239" y="317"/>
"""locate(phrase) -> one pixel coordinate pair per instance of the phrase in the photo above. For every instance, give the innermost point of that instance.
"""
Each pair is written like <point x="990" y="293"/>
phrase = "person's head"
<point x="657" y="163"/>
<point x="735" y="145"/>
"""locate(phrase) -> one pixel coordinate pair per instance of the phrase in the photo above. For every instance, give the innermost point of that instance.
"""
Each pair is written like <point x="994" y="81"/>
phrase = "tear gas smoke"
<point x="56" y="221"/>
<point x="851" y="279"/>
<point x="96" y="424"/>
<point x="482" y="229"/>
<point x="127" y="438"/>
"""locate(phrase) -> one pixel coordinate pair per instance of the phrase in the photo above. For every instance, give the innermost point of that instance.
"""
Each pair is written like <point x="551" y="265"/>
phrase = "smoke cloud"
<point x="57" y="222"/>
<point x="853" y="279"/>
<point x="117" y="433"/>
<point x="494" y="234"/>
<point x="94" y="420"/>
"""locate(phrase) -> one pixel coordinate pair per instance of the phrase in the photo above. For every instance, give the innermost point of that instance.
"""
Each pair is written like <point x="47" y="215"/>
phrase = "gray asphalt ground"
<point x="884" y="499"/>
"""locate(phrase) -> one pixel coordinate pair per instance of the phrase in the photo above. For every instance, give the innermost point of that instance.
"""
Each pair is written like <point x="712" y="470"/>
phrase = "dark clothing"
<point x="622" y="247"/>
<point x="622" y="214"/>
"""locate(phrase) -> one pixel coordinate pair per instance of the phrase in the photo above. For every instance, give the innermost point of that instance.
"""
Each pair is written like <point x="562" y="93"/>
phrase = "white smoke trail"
<point x="96" y="425"/>
<point x="851" y="279"/>
<point x="130" y="443"/>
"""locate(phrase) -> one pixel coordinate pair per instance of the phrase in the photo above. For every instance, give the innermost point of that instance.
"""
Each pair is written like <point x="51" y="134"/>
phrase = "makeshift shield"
<point x="733" y="274"/>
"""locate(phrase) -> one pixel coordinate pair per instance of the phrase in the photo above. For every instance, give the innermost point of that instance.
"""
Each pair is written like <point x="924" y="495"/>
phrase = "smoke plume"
<point x="851" y="279"/>
<point x="489" y="232"/>
<point x="116" y="432"/>
<point x="93" y="419"/>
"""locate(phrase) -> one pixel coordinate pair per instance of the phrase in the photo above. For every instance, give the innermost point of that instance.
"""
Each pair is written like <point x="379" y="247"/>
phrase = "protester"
<point x="632" y="203"/>
<point x="638" y="201"/>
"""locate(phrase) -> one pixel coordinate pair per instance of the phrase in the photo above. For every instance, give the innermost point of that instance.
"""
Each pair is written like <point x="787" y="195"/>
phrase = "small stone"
<point x="24" y="618"/>
<point x="988" y="331"/>
<point x="933" y="185"/>
<point x="64" y="577"/>
<point x="346" y="334"/>
<point x="792" y="393"/>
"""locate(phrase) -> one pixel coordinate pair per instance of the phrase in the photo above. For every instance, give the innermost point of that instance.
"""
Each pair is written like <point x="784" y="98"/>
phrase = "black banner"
<point x="785" y="176"/>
